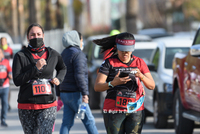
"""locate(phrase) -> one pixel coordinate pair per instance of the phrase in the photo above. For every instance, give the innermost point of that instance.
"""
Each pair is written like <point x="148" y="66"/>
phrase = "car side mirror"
<point x="195" y="50"/>
<point x="152" y="67"/>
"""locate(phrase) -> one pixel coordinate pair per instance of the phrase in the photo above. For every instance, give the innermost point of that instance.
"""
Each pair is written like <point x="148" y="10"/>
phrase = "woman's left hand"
<point x="145" y="78"/>
<point x="138" y="73"/>
<point x="55" y="81"/>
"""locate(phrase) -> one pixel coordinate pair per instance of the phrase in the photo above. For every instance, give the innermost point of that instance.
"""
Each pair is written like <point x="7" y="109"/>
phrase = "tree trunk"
<point x="48" y="15"/>
<point x="76" y="23"/>
<point x="21" y="19"/>
<point x="131" y="15"/>
<point x="32" y="11"/>
<point x="59" y="17"/>
<point x="14" y="20"/>
<point x="77" y="8"/>
<point x="38" y="12"/>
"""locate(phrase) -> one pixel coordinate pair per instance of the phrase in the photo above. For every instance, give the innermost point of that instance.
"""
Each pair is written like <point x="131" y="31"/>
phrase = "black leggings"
<point x="37" y="121"/>
<point x="124" y="123"/>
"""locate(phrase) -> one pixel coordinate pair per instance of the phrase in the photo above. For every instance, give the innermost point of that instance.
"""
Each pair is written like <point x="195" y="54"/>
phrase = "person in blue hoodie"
<point x="74" y="88"/>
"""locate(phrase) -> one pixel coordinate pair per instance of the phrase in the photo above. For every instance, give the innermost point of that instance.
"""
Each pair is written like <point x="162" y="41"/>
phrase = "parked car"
<point x="94" y="59"/>
<point x="154" y="32"/>
<point x="143" y="49"/>
<point x="159" y="101"/>
<point x="186" y="88"/>
<point x="185" y="34"/>
<point x="15" y="47"/>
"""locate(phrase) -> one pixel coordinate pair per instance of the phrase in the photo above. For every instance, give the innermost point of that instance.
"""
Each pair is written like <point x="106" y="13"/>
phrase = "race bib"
<point x="123" y="97"/>
<point x="41" y="87"/>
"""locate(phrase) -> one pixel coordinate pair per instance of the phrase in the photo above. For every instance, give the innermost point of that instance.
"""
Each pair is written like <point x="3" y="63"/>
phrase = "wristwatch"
<point x="110" y="85"/>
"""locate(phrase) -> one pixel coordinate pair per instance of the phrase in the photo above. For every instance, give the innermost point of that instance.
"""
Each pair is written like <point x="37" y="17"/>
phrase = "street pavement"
<point x="14" y="126"/>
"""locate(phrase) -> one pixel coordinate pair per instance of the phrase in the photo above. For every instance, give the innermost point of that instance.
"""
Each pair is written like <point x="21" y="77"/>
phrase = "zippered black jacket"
<point x="24" y="70"/>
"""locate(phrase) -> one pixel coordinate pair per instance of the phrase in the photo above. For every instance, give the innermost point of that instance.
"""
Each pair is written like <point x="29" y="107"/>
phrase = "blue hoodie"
<point x="76" y="78"/>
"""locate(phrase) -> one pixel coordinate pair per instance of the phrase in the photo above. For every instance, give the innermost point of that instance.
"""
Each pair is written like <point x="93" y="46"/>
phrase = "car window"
<point x="97" y="52"/>
<point x="197" y="39"/>
<point x="156" y="58"/>
<point x="169" y="55"/>
<point x="86" y="47"/>
<point x="143" y="53"/>
<point x="88" y="50"/>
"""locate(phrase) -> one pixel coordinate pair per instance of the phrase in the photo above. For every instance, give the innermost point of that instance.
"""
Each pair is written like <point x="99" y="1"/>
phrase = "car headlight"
<point x="167" y="87"/>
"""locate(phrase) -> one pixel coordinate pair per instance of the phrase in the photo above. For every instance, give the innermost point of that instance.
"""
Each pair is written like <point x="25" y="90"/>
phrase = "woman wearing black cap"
<point x="33" y="69"/>
<point x="121" y="76"/>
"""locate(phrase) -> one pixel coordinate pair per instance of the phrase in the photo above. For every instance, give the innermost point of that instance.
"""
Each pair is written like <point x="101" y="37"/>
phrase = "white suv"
<point x="159" y="101"/>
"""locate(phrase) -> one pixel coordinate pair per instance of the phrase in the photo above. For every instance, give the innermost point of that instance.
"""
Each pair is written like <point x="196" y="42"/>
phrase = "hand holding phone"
<point x="123" y="74"/>
<point x="133" y="72"/>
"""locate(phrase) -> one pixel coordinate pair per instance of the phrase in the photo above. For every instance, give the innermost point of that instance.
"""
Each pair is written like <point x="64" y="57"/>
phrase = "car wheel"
<point x="160" y="121"/>
<point x="181" y="124"/>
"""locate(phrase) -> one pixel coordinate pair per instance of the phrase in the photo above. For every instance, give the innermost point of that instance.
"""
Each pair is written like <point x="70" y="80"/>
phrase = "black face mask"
<point x="36" y="42"/>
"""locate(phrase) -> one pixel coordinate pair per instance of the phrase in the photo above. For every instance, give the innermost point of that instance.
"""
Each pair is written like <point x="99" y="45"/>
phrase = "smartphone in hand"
<point x="123" y="74"/>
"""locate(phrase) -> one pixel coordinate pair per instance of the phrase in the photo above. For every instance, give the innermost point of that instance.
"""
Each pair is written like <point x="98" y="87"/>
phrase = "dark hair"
<point x="109" y="42"/>
<point x="34" y="25"/>
<point x="126" y="36"/>
<point x="80" y="35"/>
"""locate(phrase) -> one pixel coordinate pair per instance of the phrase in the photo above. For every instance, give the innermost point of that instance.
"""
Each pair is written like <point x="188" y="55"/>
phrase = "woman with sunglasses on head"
<point x="121" y="76"/>
<point x="33" y="69"/>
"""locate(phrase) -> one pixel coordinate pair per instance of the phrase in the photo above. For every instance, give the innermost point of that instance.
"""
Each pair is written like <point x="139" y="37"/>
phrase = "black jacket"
<point x="24" y="70"/>
<point x="76" y="79"/>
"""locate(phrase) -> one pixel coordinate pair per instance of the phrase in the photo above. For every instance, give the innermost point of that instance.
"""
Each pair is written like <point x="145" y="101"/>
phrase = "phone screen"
<point x="123" y="74"/>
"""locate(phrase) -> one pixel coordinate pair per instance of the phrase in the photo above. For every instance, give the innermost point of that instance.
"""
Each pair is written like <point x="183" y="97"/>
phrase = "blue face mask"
<point x="133" y="106"/>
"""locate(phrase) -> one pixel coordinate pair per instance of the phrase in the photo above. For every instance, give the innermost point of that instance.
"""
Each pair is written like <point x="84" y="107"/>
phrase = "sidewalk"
<point x="14" y="126"/>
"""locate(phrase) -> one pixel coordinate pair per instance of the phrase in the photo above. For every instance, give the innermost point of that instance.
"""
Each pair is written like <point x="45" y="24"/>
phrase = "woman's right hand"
<point x="101" y="85"/>
<point x="120" y="80"/>
<point x="40" y="63"/>
<point x="85" y="99"/>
